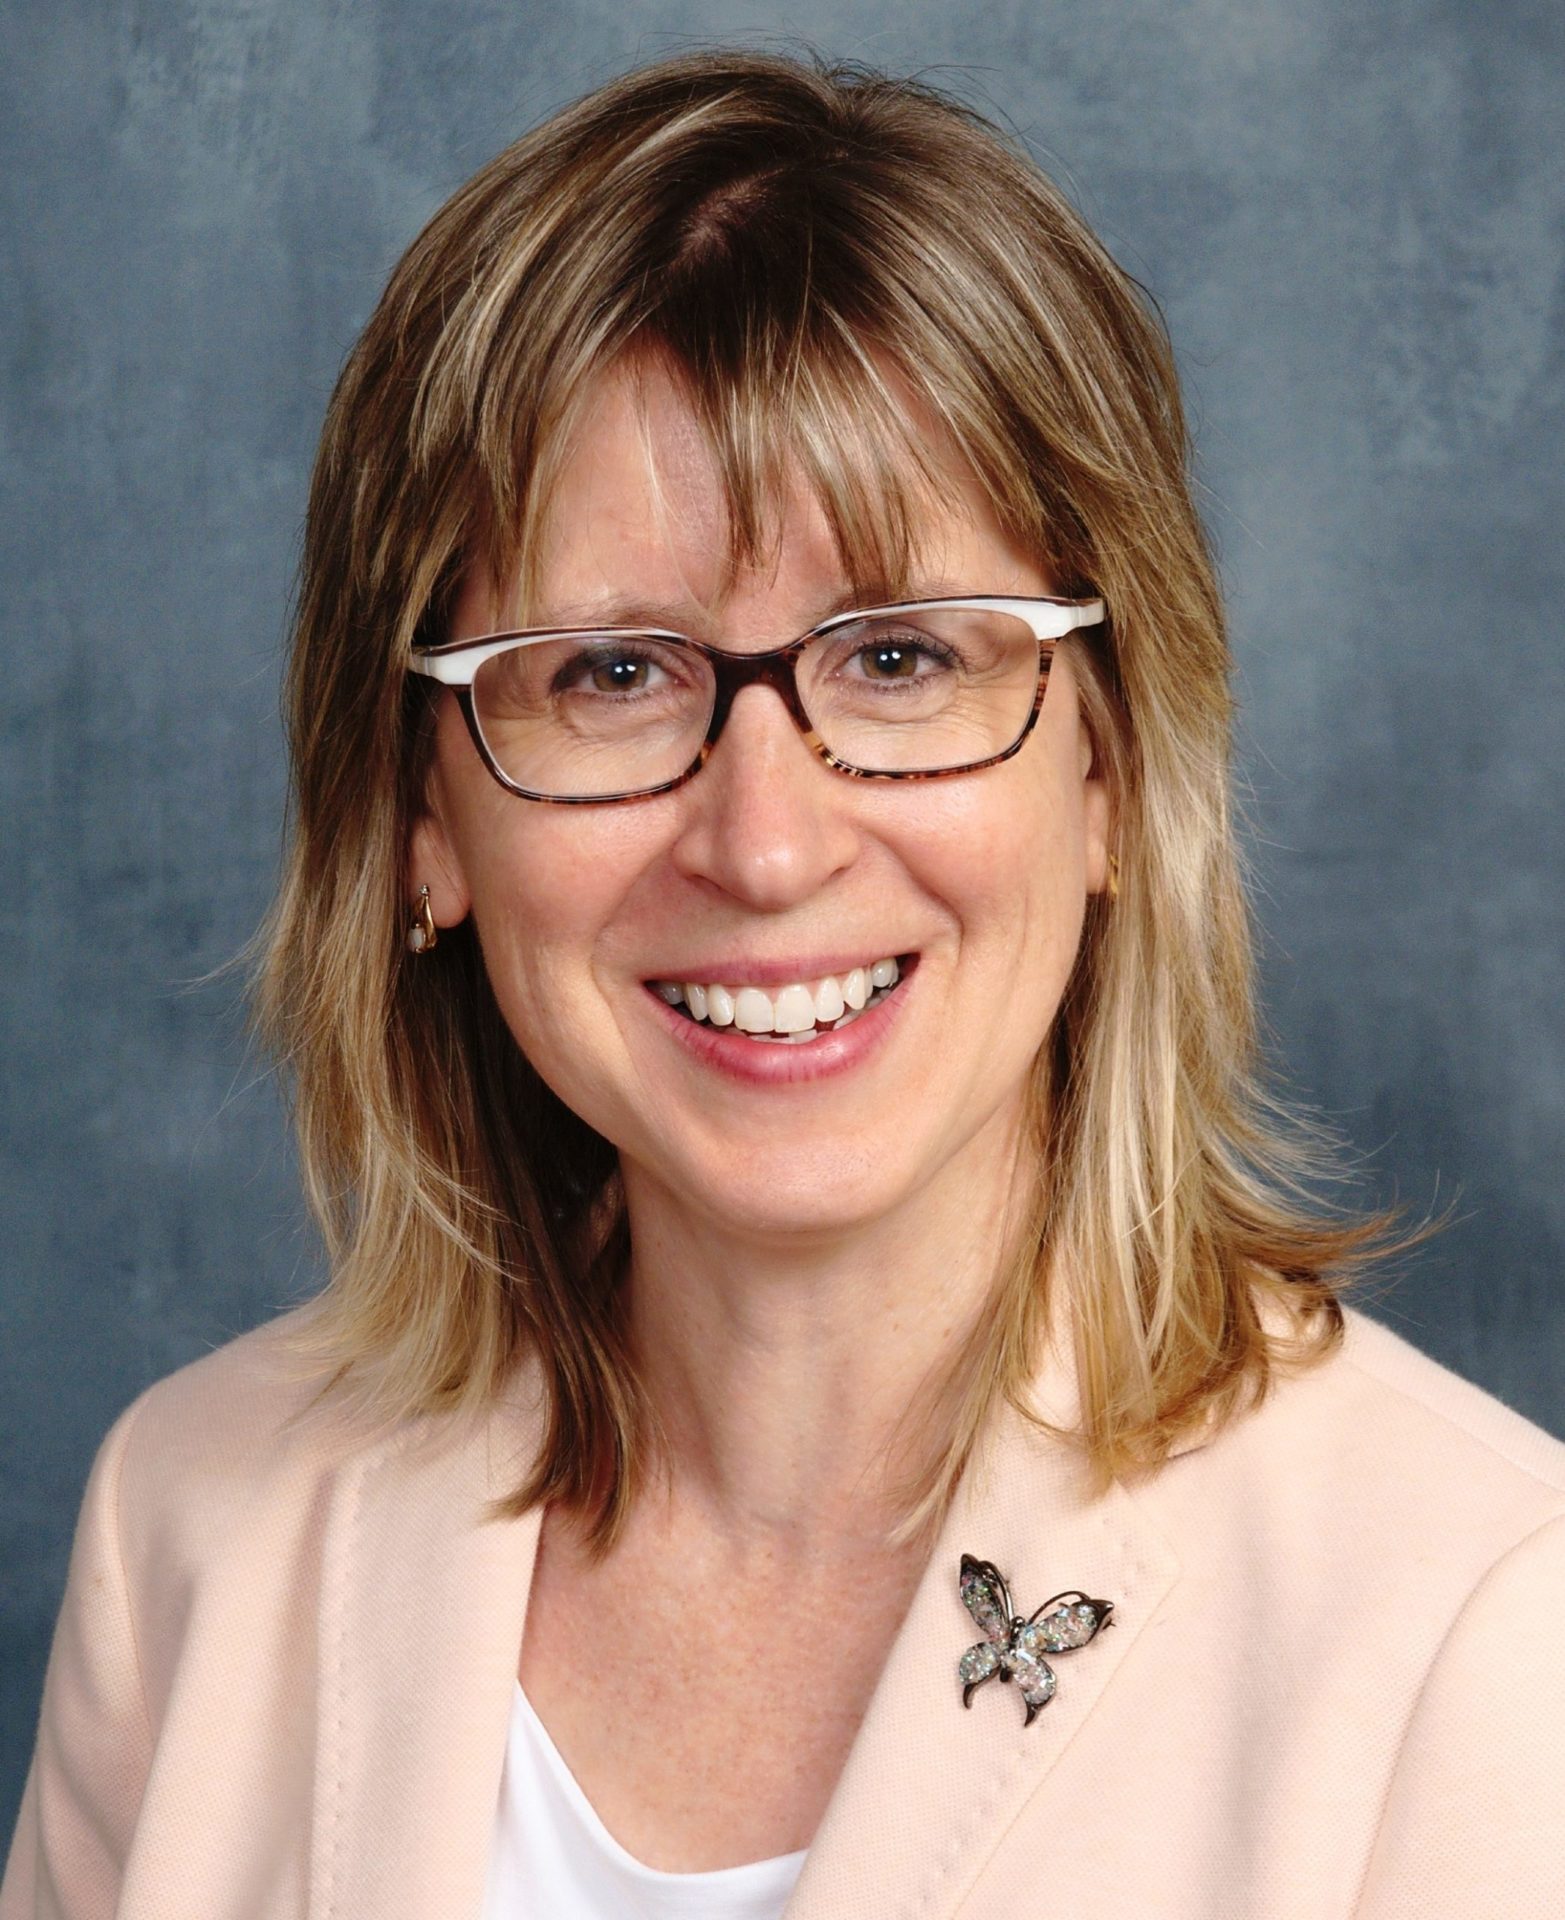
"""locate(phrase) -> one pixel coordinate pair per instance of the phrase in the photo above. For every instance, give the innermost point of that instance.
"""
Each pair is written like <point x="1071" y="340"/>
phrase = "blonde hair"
<point x="802" y="245"/>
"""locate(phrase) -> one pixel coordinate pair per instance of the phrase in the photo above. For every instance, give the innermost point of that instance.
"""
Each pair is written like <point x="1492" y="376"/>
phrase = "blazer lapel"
<point x="422" y="1608"/>
<point x="929" y="1790"/>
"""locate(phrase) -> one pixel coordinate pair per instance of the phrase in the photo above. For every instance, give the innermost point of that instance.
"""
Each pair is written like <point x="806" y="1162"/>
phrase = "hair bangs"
<point x="786" y="387"/>
<point x="809" y="341"/>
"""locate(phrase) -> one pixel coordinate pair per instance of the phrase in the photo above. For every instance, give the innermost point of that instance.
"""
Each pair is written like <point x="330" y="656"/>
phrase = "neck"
<point x="782" y="1371"/>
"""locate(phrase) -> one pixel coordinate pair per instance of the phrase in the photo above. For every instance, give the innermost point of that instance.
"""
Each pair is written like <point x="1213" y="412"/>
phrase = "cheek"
<point x="1006" y="851"/>
<point x="543" y="890"/>
<point x="558" y="894"/>
<point x="536" y="906"/>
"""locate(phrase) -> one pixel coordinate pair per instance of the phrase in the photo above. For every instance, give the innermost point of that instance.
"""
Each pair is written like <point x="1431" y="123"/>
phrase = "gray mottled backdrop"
<point x="1352" y="214"/>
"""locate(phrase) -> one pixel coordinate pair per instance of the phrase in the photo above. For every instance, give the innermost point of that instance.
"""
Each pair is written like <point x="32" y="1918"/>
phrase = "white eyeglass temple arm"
<point x="1049" y="619"/>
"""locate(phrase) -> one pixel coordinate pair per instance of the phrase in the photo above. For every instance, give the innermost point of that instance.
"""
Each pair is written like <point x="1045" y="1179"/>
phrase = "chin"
<point x="791" y="1200"/>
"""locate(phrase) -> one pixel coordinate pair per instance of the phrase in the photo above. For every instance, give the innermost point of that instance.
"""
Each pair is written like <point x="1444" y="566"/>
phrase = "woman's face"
<point x="768" y="868"/>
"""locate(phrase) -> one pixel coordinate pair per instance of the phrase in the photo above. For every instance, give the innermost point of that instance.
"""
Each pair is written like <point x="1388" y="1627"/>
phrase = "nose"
<point x="766" y="820"/>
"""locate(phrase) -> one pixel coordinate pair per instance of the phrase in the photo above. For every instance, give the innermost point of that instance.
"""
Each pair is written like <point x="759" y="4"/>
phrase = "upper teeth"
<point x="791" y="1009"/>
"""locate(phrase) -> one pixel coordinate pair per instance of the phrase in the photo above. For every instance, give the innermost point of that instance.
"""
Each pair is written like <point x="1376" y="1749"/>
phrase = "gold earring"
<point x="422" y="935"/>
<point x="1113" y="876"/>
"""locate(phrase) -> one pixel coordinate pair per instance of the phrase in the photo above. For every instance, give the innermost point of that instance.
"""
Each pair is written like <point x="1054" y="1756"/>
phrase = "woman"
<point x="828" y="1394"/>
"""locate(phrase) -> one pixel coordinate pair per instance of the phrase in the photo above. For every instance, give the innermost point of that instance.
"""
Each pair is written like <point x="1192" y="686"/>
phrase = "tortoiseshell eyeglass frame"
<point x="454" y="663"/>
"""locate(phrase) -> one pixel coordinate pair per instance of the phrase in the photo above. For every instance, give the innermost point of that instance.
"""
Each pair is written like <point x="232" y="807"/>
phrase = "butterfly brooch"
<point x="1013" y="1647"/>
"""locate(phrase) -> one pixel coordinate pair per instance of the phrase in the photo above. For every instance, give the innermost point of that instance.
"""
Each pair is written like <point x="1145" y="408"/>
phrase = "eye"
<point x="625" y="675"/>
<point x="904" y="655"/>
<point x="615" y="669"/>
<point x="890" y="660"/>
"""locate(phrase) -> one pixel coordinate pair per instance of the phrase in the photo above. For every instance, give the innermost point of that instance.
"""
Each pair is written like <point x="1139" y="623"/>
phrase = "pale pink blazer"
<point x="1335" y="1682"/>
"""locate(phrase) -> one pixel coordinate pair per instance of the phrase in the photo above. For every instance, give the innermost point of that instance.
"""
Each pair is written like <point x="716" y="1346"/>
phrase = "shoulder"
<point x="245" y="1397"/>
<point x="1471" y="1529"/>
<point x="246" y="1450"/>
<point x="1433" y="1424"/>
<point x="202" y="1452"/>
<point x="1379" y="1408"/>
<point x="1427" y="1394"/>
<point x="1376" y="1469"/>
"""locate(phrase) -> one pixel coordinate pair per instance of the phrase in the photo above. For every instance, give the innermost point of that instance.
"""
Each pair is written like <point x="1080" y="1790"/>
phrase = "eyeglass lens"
<point x="594" y="715"/>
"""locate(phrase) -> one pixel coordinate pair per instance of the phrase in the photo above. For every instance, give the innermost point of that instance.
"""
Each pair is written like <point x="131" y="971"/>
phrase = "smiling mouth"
<point x="791" y="1015"/>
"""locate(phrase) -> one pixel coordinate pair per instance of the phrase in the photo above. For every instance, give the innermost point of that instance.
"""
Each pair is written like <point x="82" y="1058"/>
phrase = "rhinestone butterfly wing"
<point x="1014" y="1647"/>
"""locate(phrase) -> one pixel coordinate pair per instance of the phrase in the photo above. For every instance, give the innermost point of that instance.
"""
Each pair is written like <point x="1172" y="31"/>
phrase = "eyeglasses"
<point x="588" y="716"/>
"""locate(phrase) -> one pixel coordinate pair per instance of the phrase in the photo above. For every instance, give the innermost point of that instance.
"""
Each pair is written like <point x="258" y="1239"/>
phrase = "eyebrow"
<point x="626" y="612"/>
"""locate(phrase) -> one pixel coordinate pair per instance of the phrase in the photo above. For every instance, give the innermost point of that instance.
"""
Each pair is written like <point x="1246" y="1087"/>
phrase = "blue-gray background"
<point x="1354" y="217"/>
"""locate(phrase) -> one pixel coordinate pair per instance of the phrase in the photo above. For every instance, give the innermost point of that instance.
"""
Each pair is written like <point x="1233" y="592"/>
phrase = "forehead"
<point x="642" y="521"/>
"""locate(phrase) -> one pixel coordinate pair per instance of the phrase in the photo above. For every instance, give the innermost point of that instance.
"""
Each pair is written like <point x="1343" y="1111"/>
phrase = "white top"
<point x="553" y="1856"/>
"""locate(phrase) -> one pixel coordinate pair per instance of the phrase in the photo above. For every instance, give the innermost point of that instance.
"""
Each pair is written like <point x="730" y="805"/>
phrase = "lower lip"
<point x="759" y="1063"/>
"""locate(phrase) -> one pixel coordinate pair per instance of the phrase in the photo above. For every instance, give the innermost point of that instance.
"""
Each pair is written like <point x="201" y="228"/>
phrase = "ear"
<point x="1097" y="812"/>
<point x="433" y="862"/>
